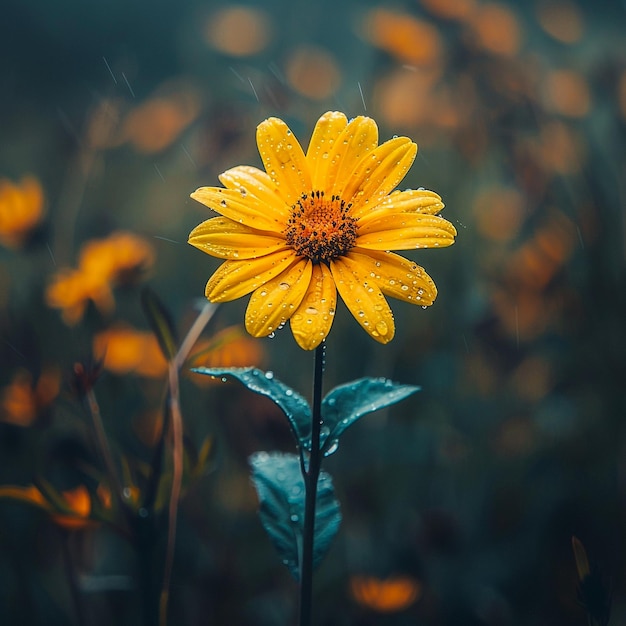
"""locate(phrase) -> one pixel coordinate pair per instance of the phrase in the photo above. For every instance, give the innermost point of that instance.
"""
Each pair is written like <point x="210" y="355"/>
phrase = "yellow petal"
<point x="225" y="239"/>
<point x="406" y="231"/>
<point x="283" y="159"/>
<point x="245" y="209"/>
<point x="358" y="138"/>
<point x="234" y="279"/>
<point x="397" y="277"/>
<point x="409" y="201"/>
<point x="378" y="174"/>
<point x="325" y="134"/>
<point x="273" y="304"/>
<point x="312" y="320"/>
<point x="249" y="180"/>
<point x="363" y="298"/>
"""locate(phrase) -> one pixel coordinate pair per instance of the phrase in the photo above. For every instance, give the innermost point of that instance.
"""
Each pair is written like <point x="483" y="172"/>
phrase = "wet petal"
<point x="283" y="159"/>
<point x="397" y="277"/>
<point x="225" y="239"/>
<point x="363" y="298"/>
<point x="249" y="180"/>
<point x="405" y="232"/>
<point x="312" y="320"/>
<point x="275" y="302"/>
<point x="378" y="174"/>
<point x="234" y="279"/>
<point x="409" y="201"/>
<point x="325" y="134"/>
<point x="248" y="210"/>
<point x="356" y="140"/>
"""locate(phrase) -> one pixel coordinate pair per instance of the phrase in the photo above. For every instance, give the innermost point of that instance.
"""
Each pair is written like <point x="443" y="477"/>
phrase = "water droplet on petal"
<point x="269" y="375"/>
<point x="382" y="328"/>
<point x="311" y="310"/>
<point x="284" y="286"/>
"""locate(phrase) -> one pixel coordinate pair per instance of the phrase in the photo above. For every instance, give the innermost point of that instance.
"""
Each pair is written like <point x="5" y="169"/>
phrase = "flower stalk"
<point x="311" y="477"/>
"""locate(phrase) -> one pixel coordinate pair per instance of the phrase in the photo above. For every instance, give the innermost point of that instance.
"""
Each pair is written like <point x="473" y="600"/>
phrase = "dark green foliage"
<point x="281" y="491"/>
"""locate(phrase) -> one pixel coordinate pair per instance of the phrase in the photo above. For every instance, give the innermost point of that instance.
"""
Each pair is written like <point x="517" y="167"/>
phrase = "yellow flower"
<point x="118" y="259"/>
<point x="319" y="223"/>
<point x="21" y="210"/>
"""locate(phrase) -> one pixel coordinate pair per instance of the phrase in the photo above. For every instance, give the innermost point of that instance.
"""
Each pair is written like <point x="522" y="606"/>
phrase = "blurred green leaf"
<point x="293" y="405"/>
<point x="345" y="404"/>
<point x="281" y="492"/>
<point x="160" y="321"/>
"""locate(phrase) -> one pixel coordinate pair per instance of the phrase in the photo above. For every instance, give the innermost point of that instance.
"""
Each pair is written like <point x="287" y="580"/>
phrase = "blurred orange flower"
<point x="567" y="93"/>
<point x="118" y="259"/>
<point x="70" y="290"/>
<point x="388" y="595"/>
<point x="69" y="509"/>
<point x="313" y="72"/>
<point x="238" y="31"/>
<point x="499" y="212"/>
<point x="21" y="210"/>
<point x="22" y="401"/>
<point x="497" y="29"/>
<point x="156" y="123"/>
<point x="125" y="349"/>
<point x="410" y="40"/>
<point x="449" y="9"/>
<point x="561" y="19"/>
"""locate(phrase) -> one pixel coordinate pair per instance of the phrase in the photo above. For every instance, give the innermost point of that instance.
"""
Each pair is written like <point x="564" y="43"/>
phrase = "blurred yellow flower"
<point x="21" y="210"/>
<point x="119" y="258"/>
<point x="70" y="509"/>
<point x="321" y="222"/>
<point x="125" y="349"/>
<point x="22" y="400"/>
<point x="410" y="40"/>
<point x="70" y="290"/>
<point x="389" y="595"/>
<point x="103" y="263"/>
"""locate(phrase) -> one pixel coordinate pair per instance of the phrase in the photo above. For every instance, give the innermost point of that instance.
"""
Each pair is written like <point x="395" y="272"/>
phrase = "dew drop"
<point x="289" y="392"/>
<point x="223" y="203"/>
<point x="404" y="287"/>
<point x="269" y="375"/>
<point x="334" y="446"/>
<point x="271" y="335"/>
<point x="294" y="518"/>
<point x="311" y="310"/>
<point x="284" y="286"/>
<point x="381" y="327"/>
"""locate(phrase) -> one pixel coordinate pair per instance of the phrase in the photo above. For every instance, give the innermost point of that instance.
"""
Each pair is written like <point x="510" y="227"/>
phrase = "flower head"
<point x="319" y="223"/>
<point x="22" y="207"/>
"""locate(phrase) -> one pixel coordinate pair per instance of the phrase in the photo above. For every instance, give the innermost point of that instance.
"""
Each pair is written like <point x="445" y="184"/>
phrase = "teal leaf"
<point x="280" y="487"/>
<point x="292" y="404"/>
<point x="347" y="403"/>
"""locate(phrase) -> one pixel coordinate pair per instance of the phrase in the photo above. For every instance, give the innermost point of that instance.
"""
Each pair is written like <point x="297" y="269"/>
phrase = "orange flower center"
<point x="319" y="228"/>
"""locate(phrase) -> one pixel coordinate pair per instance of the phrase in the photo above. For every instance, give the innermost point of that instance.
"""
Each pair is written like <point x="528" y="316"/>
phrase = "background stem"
<point x="311" y="476"/>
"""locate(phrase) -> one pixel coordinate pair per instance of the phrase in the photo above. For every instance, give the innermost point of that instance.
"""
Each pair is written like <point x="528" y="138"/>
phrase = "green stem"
<point x="311" y="476"/>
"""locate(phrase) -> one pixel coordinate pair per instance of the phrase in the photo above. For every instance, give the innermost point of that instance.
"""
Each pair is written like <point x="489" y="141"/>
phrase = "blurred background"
<point x="458" y="504"/>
